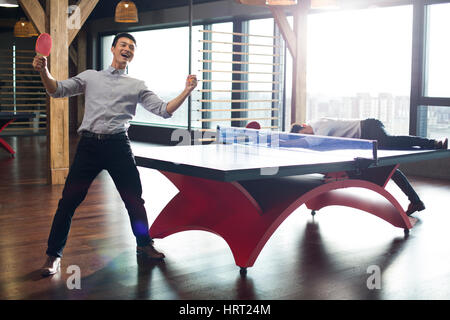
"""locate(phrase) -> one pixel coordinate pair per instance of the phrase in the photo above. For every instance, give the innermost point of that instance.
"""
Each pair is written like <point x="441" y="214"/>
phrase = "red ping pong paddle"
<point x="44" y="44"/>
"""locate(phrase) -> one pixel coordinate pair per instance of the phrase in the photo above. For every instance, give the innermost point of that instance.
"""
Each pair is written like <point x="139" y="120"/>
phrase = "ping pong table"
<point x="242" y="190"/>
<point x="5" y="119"/>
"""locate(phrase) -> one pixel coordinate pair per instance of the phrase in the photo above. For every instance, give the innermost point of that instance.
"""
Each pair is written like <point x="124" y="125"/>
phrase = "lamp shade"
<point x="281" y="2"/>
<point x="32" y="32"/>
<point x="126" y="12"/>
<point x="21" y="29"/>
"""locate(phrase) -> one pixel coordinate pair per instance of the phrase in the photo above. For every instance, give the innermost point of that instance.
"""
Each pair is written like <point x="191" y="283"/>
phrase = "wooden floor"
<point x="331" y="256"/>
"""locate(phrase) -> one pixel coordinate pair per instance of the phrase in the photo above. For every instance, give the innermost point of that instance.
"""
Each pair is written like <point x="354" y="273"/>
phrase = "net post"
<point x="375" y="151"/>
<point x="218" y="139"/>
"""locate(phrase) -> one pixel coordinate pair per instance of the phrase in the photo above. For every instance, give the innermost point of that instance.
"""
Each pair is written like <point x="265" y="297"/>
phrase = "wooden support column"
<point x="296" y="41"/>
<point x="298" y="108"/>
<point x="55" y="21"/>
<point x="58" y="109"/>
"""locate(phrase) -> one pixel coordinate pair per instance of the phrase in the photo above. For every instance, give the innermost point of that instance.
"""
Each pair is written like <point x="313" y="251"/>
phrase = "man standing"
<point x="111" y="98"/>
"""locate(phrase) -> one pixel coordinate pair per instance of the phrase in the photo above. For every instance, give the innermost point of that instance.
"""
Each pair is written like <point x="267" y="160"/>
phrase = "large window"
<point x="239" y="65"/>
<point x="265" y="74"/>
<point x="434" y="121"/>
<point x="213" y="105"/>
<point x="21" y="89"/>
<point x="359" y="65"/>
<point x="161" y="60"/>
<point x="438" y="66"/>
<point x="106" y="51"/>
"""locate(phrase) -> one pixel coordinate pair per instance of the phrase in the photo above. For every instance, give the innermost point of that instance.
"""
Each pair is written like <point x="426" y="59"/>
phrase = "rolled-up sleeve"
<point x="151" y="102"/>
<point x="70" y="87"/>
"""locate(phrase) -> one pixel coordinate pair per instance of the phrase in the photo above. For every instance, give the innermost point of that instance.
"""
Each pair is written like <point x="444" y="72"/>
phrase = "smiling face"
<point x="123" y="53"/>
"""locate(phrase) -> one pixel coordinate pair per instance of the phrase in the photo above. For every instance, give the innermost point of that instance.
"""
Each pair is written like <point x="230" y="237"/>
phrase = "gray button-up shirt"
<point x="111" y="98"/>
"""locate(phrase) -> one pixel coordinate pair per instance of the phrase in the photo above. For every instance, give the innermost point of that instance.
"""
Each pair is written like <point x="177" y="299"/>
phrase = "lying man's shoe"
<point x="51" y="266"/>
<point x="445" y="143"/>
<point x="441" y="143"/>
<point x="150" y="252"/>
<point x="413" y="207"/>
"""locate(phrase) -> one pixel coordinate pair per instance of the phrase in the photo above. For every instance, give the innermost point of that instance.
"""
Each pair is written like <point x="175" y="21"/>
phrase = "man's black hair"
<point x="123" y="35"/>
<point x="296" y="128"/>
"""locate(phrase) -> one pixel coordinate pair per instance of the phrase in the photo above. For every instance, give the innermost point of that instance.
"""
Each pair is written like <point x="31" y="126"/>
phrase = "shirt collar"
<point x="113" y="70"/>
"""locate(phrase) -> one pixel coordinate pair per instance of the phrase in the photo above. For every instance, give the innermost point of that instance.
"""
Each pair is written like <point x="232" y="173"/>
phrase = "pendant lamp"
<point x="32" y="32"/>
<point x="126" y="12"/>
<point x="21" y="29"/>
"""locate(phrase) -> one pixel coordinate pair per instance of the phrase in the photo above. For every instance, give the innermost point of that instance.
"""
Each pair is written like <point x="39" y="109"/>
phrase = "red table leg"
<point x="246" y="214"/>
<point x="225" y="209"/>
<point x="385" y="207"/>
<point x="3" y="143"/>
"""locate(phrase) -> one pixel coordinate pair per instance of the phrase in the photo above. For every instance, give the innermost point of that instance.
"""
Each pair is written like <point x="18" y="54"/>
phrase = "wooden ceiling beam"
<point x="285" y="29"/>
<point x="35" y="14"/>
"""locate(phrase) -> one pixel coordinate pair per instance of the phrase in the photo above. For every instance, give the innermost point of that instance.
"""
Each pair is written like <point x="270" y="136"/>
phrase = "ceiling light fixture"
<point x="9" y="3"/>
<point x="21" y="29"/>
<point x="32" y="32"/>
<point x="126" y="12"/>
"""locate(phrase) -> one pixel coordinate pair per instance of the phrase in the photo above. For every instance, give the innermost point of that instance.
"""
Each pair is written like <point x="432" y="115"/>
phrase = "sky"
<point x="369" y="50"/>
<point x="360" y="51"/>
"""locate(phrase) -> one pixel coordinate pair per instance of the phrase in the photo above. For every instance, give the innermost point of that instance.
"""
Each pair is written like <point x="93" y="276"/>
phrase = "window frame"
<point x="417" y="118"/>
<point x="240" y="25"/>
<point x="418" y="115"/>
<point x="419" y="100"/>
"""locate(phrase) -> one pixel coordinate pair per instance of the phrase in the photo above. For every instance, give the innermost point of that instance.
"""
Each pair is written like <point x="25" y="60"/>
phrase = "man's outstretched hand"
<point x="39" y="63"/>
<point x="191" y="82"/>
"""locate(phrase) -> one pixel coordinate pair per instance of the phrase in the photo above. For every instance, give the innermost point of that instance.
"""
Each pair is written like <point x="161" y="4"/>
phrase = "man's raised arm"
<point x="174" y="104"/>
<point x="40" y="65"/>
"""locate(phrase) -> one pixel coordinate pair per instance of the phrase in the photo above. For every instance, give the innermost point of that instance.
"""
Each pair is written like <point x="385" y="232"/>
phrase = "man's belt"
<point x="104" y="136"/>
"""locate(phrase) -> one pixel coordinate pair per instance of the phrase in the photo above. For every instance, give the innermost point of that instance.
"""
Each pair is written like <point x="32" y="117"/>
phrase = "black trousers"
<point x="373" y="129"/>
<point x="93" y="156"/>
<point x="402" y="182"/>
